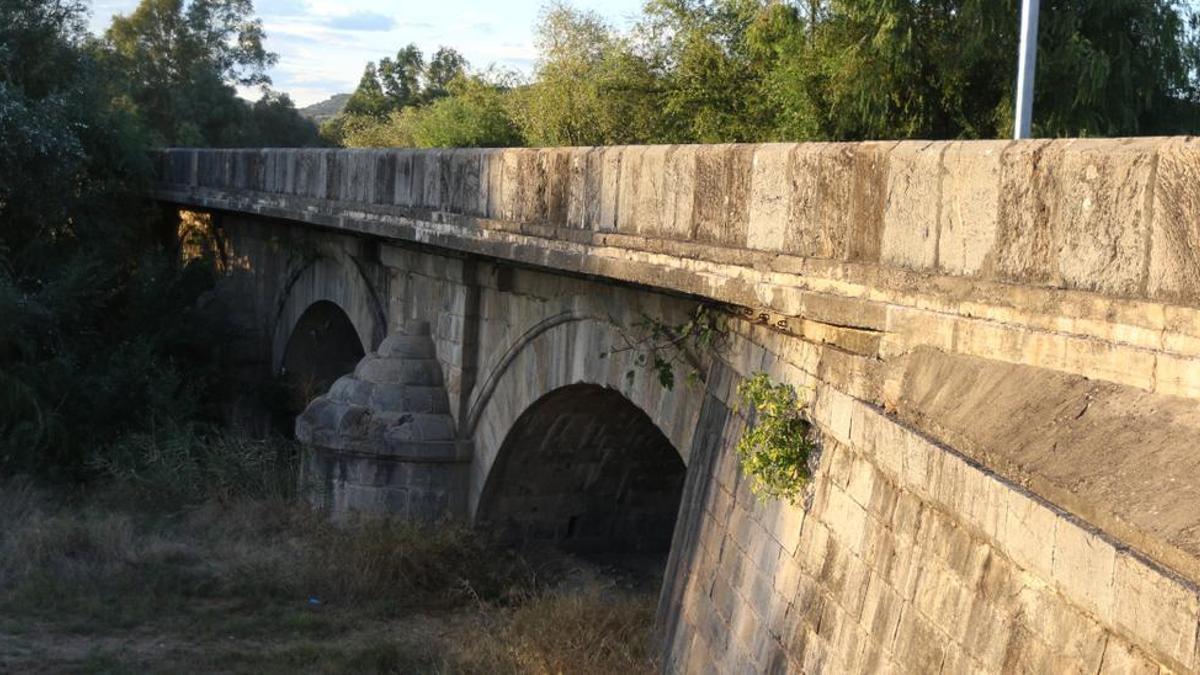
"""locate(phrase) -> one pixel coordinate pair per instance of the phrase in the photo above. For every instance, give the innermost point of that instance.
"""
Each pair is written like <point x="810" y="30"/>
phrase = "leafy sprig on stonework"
<point x="775" y="448"/>
<point x="663" y="347"/>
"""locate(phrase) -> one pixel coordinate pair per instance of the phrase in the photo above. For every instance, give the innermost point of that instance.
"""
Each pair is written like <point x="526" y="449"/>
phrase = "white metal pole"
<point x="1026" y="65"/>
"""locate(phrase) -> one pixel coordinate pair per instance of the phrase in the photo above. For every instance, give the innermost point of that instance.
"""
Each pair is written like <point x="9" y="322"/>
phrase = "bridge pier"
<point x="382" y="440"/>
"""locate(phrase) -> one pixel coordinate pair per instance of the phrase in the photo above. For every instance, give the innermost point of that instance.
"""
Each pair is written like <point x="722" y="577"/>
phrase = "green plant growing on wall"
<point x="775" y="449"/>
<point x="662" y="347"/>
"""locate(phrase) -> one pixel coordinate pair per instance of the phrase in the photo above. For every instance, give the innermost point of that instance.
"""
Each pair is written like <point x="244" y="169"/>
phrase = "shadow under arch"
<point x="323" y="346"/>
<point x="585" y="469"/>
<point x="332" y="276"/>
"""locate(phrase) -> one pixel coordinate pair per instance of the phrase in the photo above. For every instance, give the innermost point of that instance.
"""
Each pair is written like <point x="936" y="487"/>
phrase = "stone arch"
<point x="561" y="350"/>
<point x="585" y="468"/>
<point x="323" y="346"/>
<point x="332" y="276"/>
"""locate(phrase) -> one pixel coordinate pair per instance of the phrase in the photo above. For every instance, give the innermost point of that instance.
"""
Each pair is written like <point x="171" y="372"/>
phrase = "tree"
<point x="368" y="99"/>
<point x="714" y="67"/>
<point x="96" y="330"/>
<point x="473" y="113"/>
<point x="445" y="66"/>
<point x="182" y="62"/>
<point x="274" y="122"/>
<point x="590" y="87"/>
<point x="401" y="79"/>
<point x="945" y="69"/>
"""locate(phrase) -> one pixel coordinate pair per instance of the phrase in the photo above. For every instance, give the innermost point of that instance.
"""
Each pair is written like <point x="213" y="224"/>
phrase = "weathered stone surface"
<point x="912" y="208"/>
<point x="1174" y="271"/>
<point x="969" y="207"/>
<point x="1103" y="214"/>
<point x="382" y="439"/>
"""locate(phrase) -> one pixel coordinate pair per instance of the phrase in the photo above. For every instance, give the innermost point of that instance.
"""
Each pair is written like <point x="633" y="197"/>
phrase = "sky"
<point x="324" y="44"/>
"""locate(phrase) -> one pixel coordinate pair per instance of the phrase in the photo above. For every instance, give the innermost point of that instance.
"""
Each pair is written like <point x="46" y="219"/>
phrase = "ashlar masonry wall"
<point x="902" y="556"/>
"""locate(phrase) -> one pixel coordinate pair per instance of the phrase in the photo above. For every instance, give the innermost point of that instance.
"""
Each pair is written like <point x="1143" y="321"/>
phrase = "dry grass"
<point x="268" y="585"/>
<point x="587" y="630"/>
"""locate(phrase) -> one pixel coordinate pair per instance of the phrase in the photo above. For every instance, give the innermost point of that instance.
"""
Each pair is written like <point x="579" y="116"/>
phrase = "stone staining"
<point x="382" y="440"/>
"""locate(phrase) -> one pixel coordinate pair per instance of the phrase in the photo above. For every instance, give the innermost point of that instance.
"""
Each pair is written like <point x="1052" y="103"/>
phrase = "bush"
<point x="775" y="449"/>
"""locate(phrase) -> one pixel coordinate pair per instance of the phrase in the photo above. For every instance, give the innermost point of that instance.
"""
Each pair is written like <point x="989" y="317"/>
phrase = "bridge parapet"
<point x="1112" y="216"/>
<point x="1074" y="255"/>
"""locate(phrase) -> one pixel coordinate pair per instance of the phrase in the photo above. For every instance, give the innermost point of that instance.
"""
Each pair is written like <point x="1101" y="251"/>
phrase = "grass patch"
<point x="261" y="583"/>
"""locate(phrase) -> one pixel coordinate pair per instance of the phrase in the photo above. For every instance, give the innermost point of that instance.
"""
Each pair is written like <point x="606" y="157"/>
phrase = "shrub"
<point x="775" y="448"/>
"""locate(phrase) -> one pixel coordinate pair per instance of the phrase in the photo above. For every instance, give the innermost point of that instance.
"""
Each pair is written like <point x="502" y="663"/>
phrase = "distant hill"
<point x="319" y="112"/>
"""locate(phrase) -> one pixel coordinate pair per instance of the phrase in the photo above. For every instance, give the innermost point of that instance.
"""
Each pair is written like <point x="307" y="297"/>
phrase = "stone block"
<point x="867" y="197"/>
<point x="1177" y="375"/>
<point x="630" y="184"/>
<point x="554" y="165"/>
<point x="722" y="175"/>
<point x="651" y="192"/>
<point x="969" y="205"/>
<point x="1074" y="213"/>
<point x="861" y="483"/>
<point x="984" y="633"/>
<point x="1026" y="246"/>
<point x="1174" y="272"/>
<point x="920" y="647"/>
<point x="1122" y="658"/>
<point x="984" y="502"/>
<point x="787" y="576"/>
<point x="512" y="179"/>
<point x="881" y="611"/>
<point x="770" y="197"/>
<point x="906" y="519"/>
<point x="577" y="188"/>
<point x="814" y="545"/>
<point x="910" y="214"/>
<point x="943" y="601"/>
<point x="784" y="523"/>
<point x="679" y="193"/>
<point x="610" y="189"/>
<point x="1028" y="534"/>
<point x="847" y="521"/>
<point x="1104" y="216"/>
<point x="1084" y="564"/>
<point x="1064" y="636"/>
<point x="821" y="177"/>
<point x="1157" y="611"/>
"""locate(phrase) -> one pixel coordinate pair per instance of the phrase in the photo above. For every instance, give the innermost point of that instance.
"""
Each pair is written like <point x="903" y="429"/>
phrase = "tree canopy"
<point x="710" y="71"/>
<point x="100" y="338"/>
<point x="180" y="63"/>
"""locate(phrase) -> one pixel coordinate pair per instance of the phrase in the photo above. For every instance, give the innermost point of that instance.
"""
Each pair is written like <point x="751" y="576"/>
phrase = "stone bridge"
<point x="998" y="344"/>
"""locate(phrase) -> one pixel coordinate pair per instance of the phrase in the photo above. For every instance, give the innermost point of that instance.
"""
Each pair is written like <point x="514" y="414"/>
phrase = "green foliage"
<point x="98" y="337"/>
<point x="400" y="79"/>
<point x="179" y="62"/>
<point x="715" y="71"/>
<point x="409" y="103"/>
<point x="368" y="99"/>
<point x="663" y="347"/>
<point x="407" y="81"/>
<point x="775" y="448"/>
<point x="474" y="113"/>
<point x="591" y="88"/>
